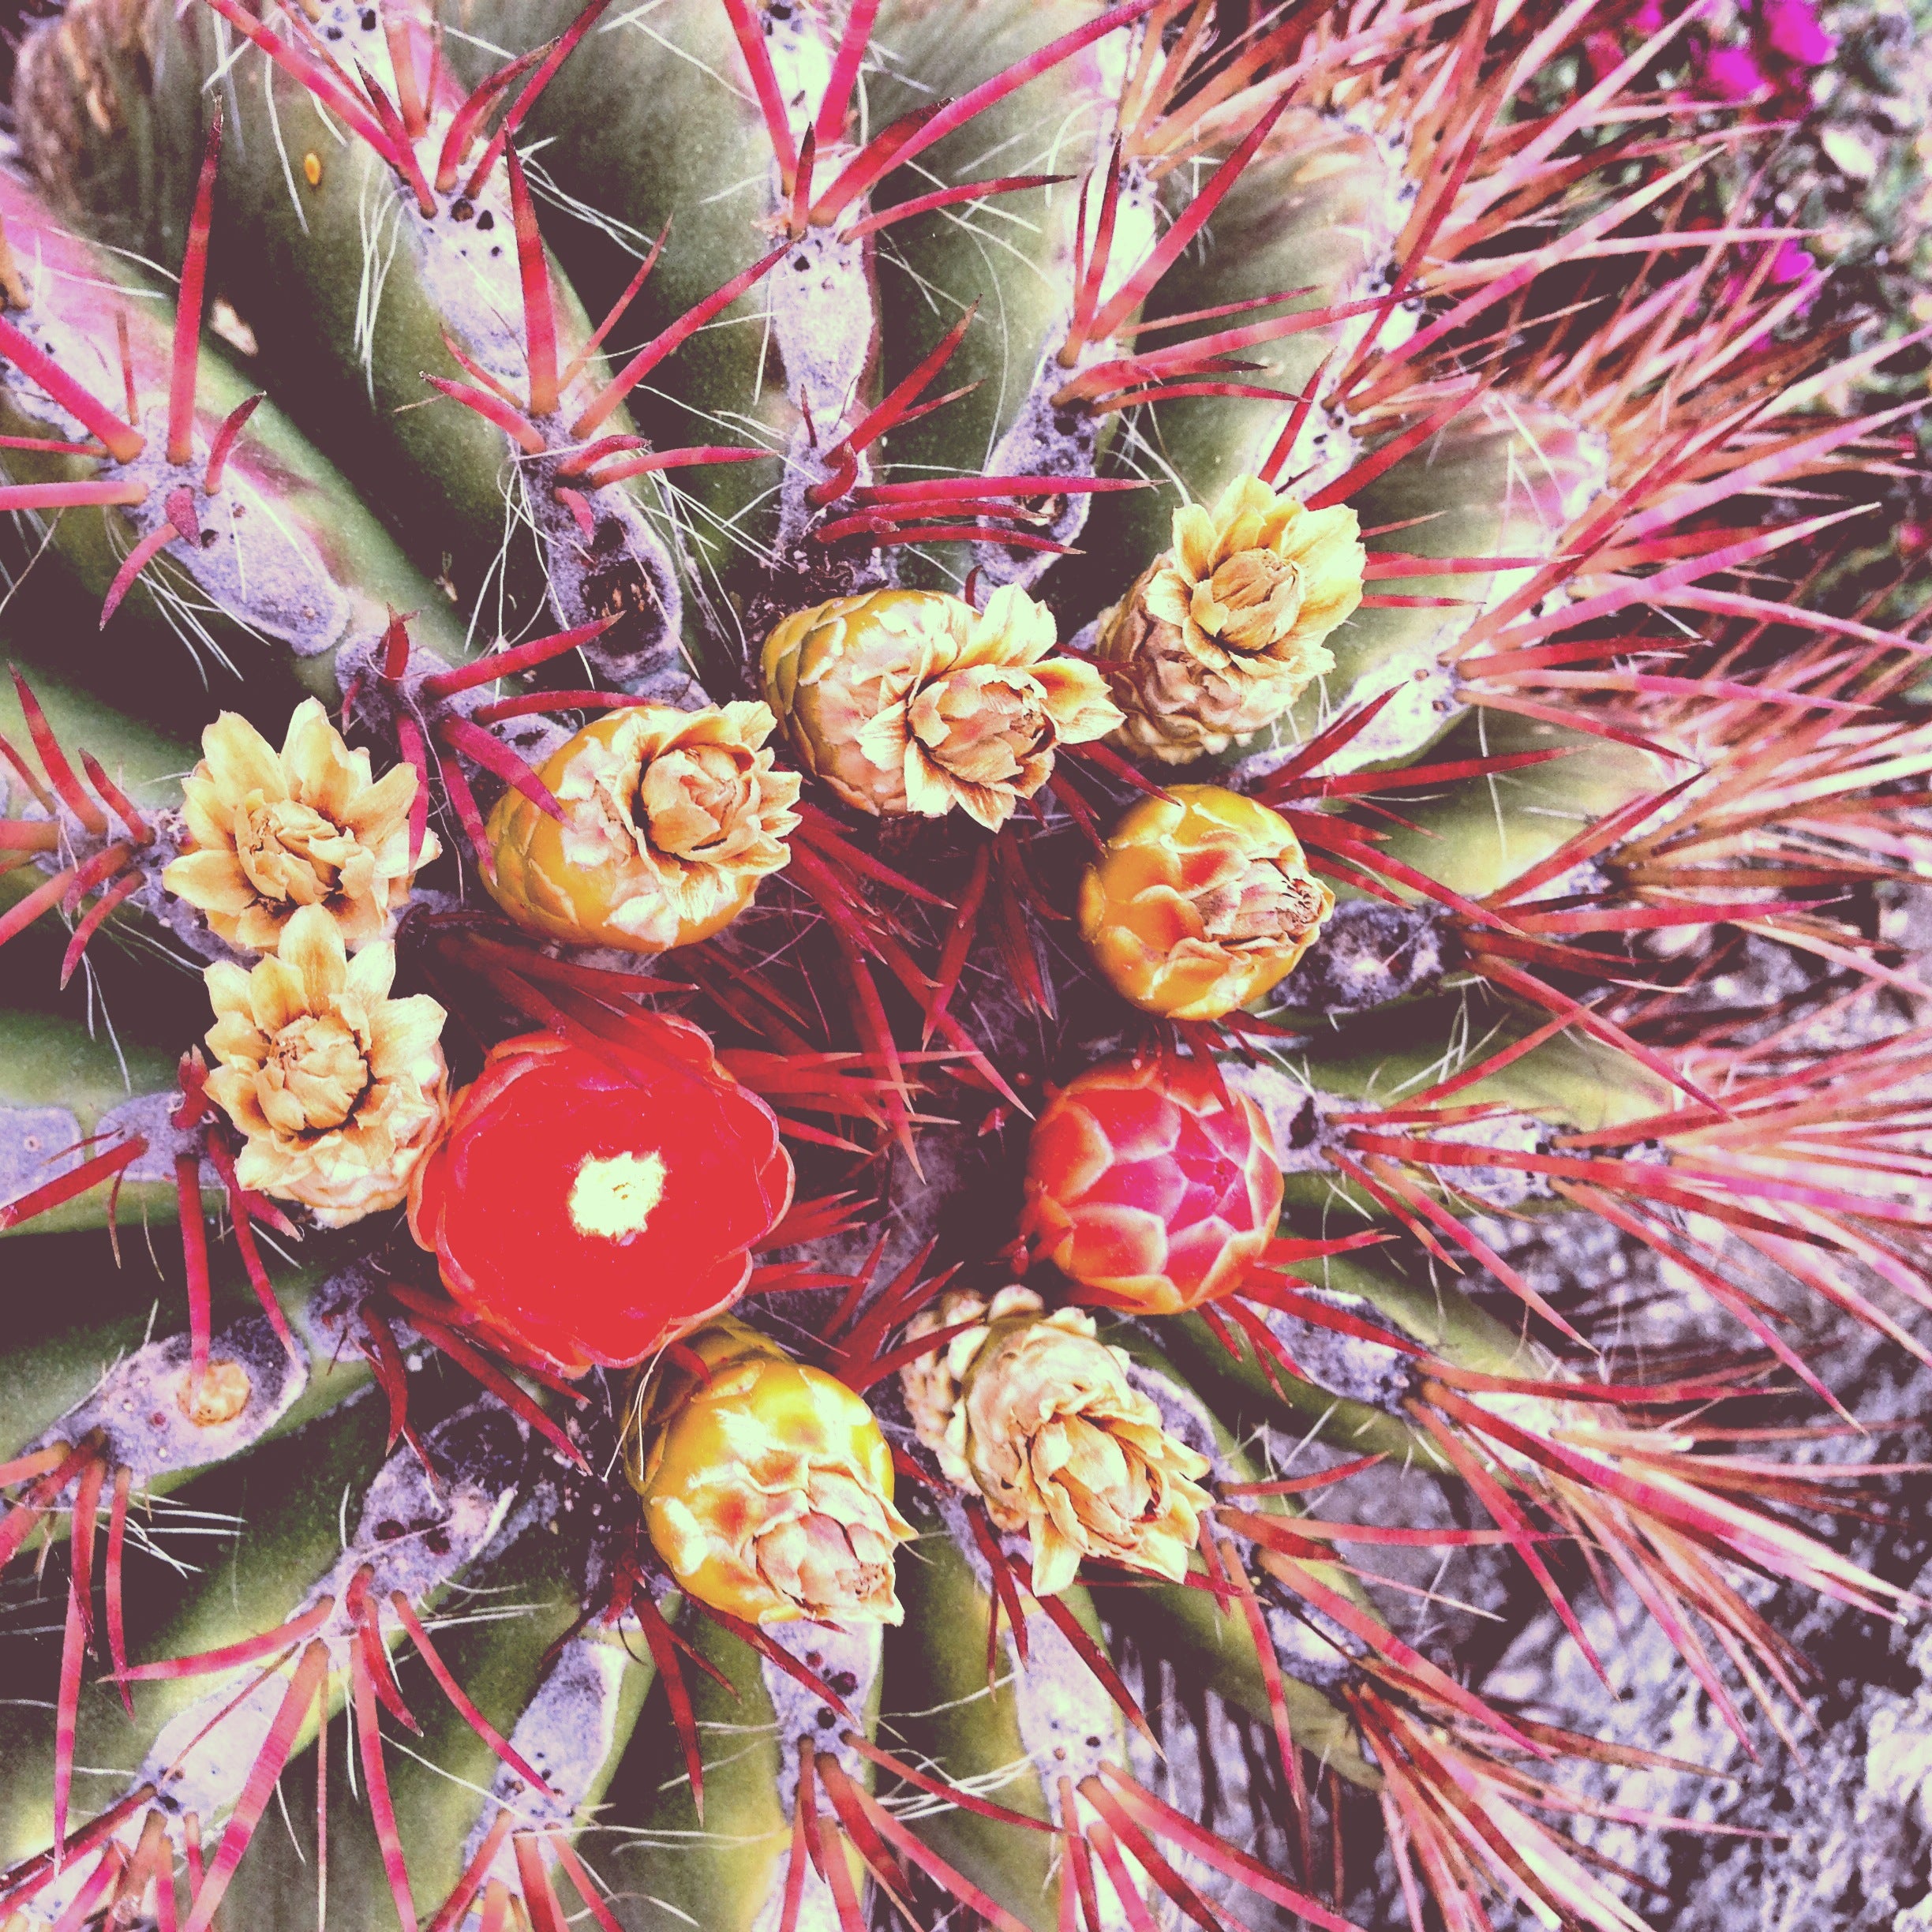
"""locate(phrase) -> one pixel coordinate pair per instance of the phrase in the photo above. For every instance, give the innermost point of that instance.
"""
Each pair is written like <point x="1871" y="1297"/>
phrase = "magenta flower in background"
<point x="1793" y="264"/>
<point x="1786" y="40"/>
<point x="1792" y="29"/>
<point x="1604" y="51"/>
<point x="1731" y="73"/>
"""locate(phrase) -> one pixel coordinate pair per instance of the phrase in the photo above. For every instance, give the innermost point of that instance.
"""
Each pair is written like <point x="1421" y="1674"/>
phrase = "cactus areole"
<point x="971" y="774"/>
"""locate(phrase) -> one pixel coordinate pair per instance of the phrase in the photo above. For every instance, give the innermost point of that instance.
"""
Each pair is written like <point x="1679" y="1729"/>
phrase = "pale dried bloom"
<point x="913" y="702"/>
<point x="1224" y="630"/>
<point x="768" y="1488"/>
<point x="931" y="1383"/>
<point x="269" y="832"/>
<point x="1036" y="1412"/>
<point x="671" y="819"/>
<point x="339" y="1089"/>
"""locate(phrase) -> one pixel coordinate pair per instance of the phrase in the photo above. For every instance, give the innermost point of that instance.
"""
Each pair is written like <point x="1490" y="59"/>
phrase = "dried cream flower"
<point x="671" y="819"/>
<point x="1036" y="1412"/>
<point x="913" y="702"/>
<point x="338" y="1088"/>
<point x="271" y="832"/>
<point x="931" y="1383"/>
<point x="1225" y="630"/>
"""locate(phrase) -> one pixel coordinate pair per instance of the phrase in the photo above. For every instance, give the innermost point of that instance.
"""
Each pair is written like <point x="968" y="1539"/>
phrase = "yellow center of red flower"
<point x="614" y="1195"/>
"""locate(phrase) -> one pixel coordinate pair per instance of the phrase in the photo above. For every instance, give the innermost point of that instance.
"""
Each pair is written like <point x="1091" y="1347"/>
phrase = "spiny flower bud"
<point x="271" y="832"/>
<point x="767" y="1486"/>
<point x="671" y="819"/>
<point x="1201" y="902"/>
<point x="1224" y="632"/>
<point x="913" y="701"/>
<point x="1036" y="1412"/>
<point x="339" y="1089"/>
<point x="1146" y="1183"/>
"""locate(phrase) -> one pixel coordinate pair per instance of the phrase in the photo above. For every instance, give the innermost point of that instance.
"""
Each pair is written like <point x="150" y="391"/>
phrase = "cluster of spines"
<point x="1379" y="1149"/>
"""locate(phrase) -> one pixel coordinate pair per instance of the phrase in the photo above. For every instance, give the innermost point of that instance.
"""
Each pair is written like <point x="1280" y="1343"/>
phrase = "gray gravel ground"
<point x="1841" y="1824"/>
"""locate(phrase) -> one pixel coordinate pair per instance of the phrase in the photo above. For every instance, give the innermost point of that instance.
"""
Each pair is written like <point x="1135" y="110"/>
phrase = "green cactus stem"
<point x="283" y="555"/>
<point x="732" y="1863"/>
<point x="67" y="1095"/>
<point x="940" y="1711"/>
<point x="607" y="354"/>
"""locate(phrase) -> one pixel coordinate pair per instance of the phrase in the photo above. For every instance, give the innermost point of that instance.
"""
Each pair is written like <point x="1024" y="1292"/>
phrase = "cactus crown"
<point x="1135" y="647"/>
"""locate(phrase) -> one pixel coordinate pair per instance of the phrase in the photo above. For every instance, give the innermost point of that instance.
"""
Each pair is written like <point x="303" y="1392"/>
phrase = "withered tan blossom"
<point x="1038" y="1414"/>
<point x="671" y="819"/>
<point x="338" y="1089"/>
<point x="270" y="832"/>
<point x="913" y="701"/>
<point x="1224" y="630"/>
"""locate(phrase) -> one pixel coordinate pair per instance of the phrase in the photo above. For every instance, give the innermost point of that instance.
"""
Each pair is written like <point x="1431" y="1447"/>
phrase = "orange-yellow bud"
<point x="767" y="1487"/>
<point x="1201" y="902"/>
<point x="670" y="820"/>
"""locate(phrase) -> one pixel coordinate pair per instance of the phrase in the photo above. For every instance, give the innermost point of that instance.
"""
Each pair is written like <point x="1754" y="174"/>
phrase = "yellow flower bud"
<point x="1201" y="902"/>
<point x="1224" y="632"/>
<point x="767" y="1488"/>
<point x="269" y="832"/>
<point x="913" y="702"/>
<point x="1036" y="1412"/>
<point x="339" y="1089"/>
<point x="671" y="819"/>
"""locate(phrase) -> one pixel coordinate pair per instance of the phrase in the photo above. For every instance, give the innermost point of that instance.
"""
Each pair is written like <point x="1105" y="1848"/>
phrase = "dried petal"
<point x="1037" y="1413"/>
<point x="338" y="1089"/>
<point x="1224" y="632"/>
<point x="269" y="832"/>
<point x="913" y="702"/>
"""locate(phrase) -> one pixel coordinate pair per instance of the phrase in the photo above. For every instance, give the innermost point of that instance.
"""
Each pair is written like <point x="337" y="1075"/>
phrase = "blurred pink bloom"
<point x="1792" y="29"/>
<point x="1605" y="52"/>
<point x="1647" y="20"/>
<point x="1731" y="73"/>
<point x="1792" y="263"/>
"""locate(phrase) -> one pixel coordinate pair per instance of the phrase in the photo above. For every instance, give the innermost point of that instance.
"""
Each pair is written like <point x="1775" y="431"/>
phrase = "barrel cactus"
<point x="820" y="823"/>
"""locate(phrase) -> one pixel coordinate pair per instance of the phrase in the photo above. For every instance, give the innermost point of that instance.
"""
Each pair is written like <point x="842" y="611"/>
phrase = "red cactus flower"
<point x="1150" y="1186"/>
<point x="597" y="1206"/>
